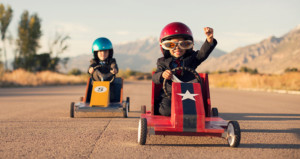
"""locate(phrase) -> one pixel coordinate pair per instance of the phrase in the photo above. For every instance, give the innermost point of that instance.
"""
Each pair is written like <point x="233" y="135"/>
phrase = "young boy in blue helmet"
<point x="176" y="42"/>
<point x="103" y="67"/>
<point x="103" y="58"/>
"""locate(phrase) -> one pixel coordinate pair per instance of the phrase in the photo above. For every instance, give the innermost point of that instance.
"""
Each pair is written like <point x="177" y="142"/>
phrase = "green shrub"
<point x="248" y="70"/>
<point x="75" y="71"/>
<point x="232" y="70"/>
<point x="291" y="69"/>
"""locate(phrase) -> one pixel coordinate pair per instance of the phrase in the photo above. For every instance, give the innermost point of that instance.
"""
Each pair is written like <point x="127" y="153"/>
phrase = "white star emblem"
<point x="187" y="95"/>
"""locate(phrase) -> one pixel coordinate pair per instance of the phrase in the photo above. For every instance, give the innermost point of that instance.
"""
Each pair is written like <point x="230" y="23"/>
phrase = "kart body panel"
<point x="190" y="112"/>
<point x="97" y="102"/>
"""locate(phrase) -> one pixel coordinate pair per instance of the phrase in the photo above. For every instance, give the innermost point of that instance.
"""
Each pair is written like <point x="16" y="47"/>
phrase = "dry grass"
<point x="287" y="81"/>
<point x="21" y="77"/>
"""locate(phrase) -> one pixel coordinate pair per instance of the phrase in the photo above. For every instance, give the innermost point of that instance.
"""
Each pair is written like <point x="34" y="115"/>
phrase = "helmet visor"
<point x="171" y="45"/>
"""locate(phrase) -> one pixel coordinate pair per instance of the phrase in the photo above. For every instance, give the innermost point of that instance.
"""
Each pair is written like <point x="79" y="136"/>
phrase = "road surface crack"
<point x="98" y="138"/>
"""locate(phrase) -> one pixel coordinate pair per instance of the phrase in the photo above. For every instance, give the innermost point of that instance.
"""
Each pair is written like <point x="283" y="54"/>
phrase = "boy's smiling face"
<point x="177" y="52"/>
<point x="103" y="54"/>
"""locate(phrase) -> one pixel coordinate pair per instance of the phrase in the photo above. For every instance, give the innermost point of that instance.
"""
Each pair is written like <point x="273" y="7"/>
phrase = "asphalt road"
<point x="35" y="123"/>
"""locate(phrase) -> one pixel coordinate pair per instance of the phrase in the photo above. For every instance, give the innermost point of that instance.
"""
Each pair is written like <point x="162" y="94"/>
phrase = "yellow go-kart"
<point x="98" y="100"/>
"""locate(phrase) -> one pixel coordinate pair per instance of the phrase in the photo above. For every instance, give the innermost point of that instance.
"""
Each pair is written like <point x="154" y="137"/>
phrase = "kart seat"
<point x="116" y="90"/>
<point x="206" y="94"/>
<point x="156" y="88"/>
<point x="88" y="92"/>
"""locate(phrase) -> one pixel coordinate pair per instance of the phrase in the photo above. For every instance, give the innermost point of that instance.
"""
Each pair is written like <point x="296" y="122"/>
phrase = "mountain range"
<point x="271" y="55"/>
<point x="140" y="55"/>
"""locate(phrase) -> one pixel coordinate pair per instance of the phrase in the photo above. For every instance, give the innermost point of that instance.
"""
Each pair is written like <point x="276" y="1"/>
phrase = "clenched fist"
<point x="113" y="71"/>
<point x="209" y="32"/>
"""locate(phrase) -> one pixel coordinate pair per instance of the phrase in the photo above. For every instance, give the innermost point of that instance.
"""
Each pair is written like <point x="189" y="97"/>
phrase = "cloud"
<point x="122" y="32"/>
<point x="68" y="27"/>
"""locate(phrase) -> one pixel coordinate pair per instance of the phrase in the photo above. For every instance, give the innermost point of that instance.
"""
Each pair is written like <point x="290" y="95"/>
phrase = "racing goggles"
<point x="171" y="45"/>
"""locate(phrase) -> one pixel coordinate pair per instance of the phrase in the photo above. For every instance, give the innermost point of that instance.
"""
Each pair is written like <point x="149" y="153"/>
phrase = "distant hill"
<point x="139" y="55"/>
<point x="272" y="55"/>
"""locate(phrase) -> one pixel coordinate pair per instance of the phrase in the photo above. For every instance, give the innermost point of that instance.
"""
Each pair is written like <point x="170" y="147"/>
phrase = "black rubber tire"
<point x="142" y="131"/>
<point x="72" y="109"/>
<point x="143" y="109"/>
<point x="128" y="102"/>
<point x="215" y="112"/>
<point x="125" y="110"/>
<point x="233" y="134"/>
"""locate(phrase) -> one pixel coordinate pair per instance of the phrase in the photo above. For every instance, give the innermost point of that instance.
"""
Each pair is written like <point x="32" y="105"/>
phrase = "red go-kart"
<point x="191" y="113"/>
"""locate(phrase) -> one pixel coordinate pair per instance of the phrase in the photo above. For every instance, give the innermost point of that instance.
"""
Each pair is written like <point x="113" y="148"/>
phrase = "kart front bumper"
<point x="84" y="110"/>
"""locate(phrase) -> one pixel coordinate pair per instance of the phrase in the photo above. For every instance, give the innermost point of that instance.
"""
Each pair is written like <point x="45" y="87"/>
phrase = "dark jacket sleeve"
<point x="114" y="65"/>
<point x="92" y="64"/>
<point x="205" y="51"/>
<point x="157" y="76"/>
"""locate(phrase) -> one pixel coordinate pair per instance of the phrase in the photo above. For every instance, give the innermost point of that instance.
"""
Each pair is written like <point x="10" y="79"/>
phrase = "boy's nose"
<point x="176" y="47"/>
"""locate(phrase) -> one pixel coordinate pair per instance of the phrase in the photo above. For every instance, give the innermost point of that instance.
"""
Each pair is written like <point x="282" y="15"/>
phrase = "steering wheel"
<point x="175" y="79"/>
<point x="101" y="76"/>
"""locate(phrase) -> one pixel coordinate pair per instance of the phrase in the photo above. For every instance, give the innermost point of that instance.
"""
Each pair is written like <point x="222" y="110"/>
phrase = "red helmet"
<point x="175" y="29"/>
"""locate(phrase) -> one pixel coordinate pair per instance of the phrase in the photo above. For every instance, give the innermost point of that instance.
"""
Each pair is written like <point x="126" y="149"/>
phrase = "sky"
<point x="236" y="23"/>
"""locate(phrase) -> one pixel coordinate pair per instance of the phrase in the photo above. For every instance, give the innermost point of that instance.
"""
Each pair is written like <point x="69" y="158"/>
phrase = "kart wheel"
<point x="128" y="102"/>
<point x="125" y="110"/>
<point x="143" y="109"/>
<point x="215" y="112"/>
<point x="142" y="131"/>
<point x="72" y="110"/>
<point x="233" y="134"/>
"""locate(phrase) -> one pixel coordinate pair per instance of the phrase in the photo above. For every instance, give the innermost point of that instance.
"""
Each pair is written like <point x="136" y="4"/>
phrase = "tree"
<point x="29" y="33"/>
<point x="64" y="61"/>
<point x="50" y="60"/>
<point x="1" y="69"/>
<point x="5" y="19"/>
<point x="59" y="44"/>
<point x="56" y="48"/>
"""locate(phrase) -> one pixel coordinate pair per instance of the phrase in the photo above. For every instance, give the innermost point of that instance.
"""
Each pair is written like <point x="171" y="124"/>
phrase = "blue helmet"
<point x="102" y="44"/>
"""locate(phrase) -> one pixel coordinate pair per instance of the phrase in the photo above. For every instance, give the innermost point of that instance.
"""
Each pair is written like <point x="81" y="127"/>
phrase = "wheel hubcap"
<point x="139" y="131"/>
<point x="230" y="134"/>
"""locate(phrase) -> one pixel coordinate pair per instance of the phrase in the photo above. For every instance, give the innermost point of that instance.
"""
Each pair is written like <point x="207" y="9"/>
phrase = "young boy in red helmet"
<point x="176" y="41"/>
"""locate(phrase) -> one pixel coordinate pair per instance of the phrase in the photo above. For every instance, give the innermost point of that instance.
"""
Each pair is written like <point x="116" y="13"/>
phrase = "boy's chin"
<point x="102" y="59"/>
<point x="177" y="56"/>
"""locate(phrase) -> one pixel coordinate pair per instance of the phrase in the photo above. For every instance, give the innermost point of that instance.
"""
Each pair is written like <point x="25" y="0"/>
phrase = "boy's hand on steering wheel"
<point x="167" y="74"/>
<point x="113" y="71"/>
<point x="91" y="70"/>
